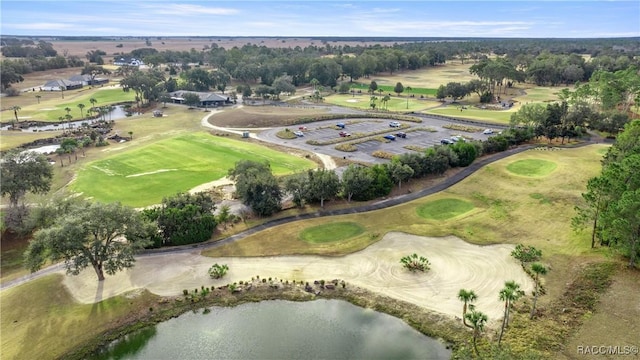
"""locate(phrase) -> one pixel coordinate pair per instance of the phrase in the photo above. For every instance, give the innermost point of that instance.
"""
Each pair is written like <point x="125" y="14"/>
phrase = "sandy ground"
<point x="455" y="264"/>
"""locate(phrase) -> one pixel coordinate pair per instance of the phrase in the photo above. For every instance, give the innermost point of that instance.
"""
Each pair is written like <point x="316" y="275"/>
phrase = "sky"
<point x="300" y="18"/>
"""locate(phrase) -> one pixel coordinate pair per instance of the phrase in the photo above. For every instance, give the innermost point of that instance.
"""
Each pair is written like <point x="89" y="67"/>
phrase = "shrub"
<point x="414" y="262"/>
<point x="346" y="147"/>
<point x="526" y="253"/>
<point x="217" y="271"/>
<point x="382" y="154"/>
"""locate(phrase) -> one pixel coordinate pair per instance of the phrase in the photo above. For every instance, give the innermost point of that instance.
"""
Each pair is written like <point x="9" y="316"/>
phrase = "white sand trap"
<point x="210" y="185"/>
<point x="353" y="100"/>
<point x="151" y="172"/>
<point x="455" y="264"/>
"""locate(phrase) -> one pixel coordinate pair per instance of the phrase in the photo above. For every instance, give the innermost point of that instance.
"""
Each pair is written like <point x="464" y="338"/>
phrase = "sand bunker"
<point x="353" y="100"/>
<point x="455" y="264"/>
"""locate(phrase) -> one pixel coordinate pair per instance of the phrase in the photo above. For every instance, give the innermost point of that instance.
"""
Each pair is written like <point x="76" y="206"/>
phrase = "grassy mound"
<point x="532" y="167"/>
<point x="444" y="209"/>
<point x="331" y="232"/>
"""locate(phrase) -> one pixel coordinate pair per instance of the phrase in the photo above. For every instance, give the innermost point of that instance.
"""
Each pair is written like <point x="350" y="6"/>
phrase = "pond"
<point x="117" y="113"/>
<point x="278" y="329"/>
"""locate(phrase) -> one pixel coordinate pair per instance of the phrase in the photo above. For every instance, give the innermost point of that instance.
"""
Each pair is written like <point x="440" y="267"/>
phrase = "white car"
<point x="394" y="124"/>
<point x="487" y="131"/>
<point x="299" y="133"/>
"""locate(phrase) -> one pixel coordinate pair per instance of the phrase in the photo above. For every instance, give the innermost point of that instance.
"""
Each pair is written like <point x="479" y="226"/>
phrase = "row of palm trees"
<point x="511" y="293"/>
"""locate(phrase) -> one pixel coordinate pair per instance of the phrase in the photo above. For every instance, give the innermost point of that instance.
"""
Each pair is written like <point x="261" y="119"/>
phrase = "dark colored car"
<point x="446" y="142"/>
<point x="401" y="135"/>
<point x="340" y="125"/>
<point x="390" y="137"/>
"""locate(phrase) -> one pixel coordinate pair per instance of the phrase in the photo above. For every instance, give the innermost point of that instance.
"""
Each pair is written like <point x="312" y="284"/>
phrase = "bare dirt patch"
<point x="455" y="265"/>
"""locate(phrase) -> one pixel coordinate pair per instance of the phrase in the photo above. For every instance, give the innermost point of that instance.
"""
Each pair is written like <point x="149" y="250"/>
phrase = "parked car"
<point x="487" y="131"/>
<point x="446" y="142"/>
<point x="401" y="135"/>
<point x="302" y="128"/>
<point x="299" y="133"/>
<point x="390" y="137"/>
<point x="344" y="134"/>
<point x="457" y="138"/>
<point x="340" y="125"/>
<point x="394" y="124"/>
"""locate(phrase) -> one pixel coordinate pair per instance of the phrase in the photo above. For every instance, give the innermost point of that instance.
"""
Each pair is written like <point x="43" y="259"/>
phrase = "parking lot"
<point x="367" y="136"/>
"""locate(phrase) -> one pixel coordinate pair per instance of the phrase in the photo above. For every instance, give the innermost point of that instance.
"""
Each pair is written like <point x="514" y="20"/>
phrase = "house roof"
<point x="62" y="83"/>
<point x="80" y="78"/>
<point x="204" y="96"/>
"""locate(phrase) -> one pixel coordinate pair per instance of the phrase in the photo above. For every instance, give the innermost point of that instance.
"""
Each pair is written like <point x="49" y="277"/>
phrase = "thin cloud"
<point x="189" y="10"/>
<point x="42" y="26"/>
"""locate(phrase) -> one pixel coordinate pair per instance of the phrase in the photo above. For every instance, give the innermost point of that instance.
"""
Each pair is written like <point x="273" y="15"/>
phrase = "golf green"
<point x="145" y="175"/>
<point x="443" y="209"/>
<point x="532" y="167"/>
<point x="331" y="232"/>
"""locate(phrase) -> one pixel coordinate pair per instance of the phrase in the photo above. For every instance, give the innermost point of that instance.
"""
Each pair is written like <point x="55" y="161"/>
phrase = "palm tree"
<point x="131" y="135"/>
<point x="314" y="82"/>
<point x="60" y="151"/>
<point x="467" y="296"/>
<point x="81" y="107"/>
<point x="38" y="98"/>
<point x="509" y="294"/>
<point x="408" y="88"/>
<point x="477" y="320"/>
<point x="15" y="109"/>
<point x="68" y="110"/>
<point x="68" y="117"/>
<point x="538" y="269"/>
<point x="93" y="102"/>
<point x="372" y="102"/>
<point x="385" y="100"/>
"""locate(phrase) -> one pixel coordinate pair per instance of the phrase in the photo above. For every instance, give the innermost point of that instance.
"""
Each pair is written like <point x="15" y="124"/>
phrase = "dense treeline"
<point x="611" y="208"/>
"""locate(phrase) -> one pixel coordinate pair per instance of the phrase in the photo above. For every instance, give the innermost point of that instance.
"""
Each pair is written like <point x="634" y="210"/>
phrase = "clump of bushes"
<point x="382" y="154"/>
<point x="346" y="147"/>
<point x="414" y="263"/>
<point x="217" y="271"/>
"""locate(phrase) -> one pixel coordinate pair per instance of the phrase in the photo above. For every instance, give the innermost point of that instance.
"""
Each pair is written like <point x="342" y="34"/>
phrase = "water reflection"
<point x="321" y="329"/>
<point x="117" y="113"/>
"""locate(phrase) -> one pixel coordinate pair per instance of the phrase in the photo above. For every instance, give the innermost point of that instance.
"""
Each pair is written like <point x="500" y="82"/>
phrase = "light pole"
<point x="408" y="89"/>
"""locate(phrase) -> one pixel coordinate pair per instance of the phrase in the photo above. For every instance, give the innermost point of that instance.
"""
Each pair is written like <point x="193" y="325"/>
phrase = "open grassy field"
<point x="395" y="104"/>
<point x="473" y="113"/>
<point x="429" y="78"/>
<point x="386" y="89"/>
<point x="169" y="166"/>
<point x="13" y="139"/>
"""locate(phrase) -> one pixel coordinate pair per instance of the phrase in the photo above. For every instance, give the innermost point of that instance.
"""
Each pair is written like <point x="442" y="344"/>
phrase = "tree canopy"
<point x="24" y="171"/>
<point x="103" y="236"/>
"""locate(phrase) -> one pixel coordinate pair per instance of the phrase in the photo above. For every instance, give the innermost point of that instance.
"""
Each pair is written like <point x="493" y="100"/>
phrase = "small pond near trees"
<point x="279" y="329"/>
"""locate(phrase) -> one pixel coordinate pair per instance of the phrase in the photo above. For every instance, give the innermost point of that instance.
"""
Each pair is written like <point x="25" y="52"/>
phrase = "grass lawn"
<point x="395" y="104"/>
<point x="532" y="167"/>
<point x="495" y="116"/>
<point x="331" y="232"/>
<point x="444" y="209"/>
<point x="390" y="89"/>
<point x="145" y="175"/>
<point x="53" y="322"/>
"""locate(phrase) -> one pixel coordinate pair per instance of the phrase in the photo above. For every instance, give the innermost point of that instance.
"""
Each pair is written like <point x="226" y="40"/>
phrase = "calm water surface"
<point x="321" y="329"/>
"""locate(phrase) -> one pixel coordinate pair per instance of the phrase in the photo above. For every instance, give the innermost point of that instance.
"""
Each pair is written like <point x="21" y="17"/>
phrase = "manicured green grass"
<point x="362" y="101"/>
<point x="496" y="116"/>
<point x="386" y="89"/>
<point x="444" y="209"/>
<point x="532" y="167"/>
<point x="331" y="232"/>
<point x="145" y="175"/>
